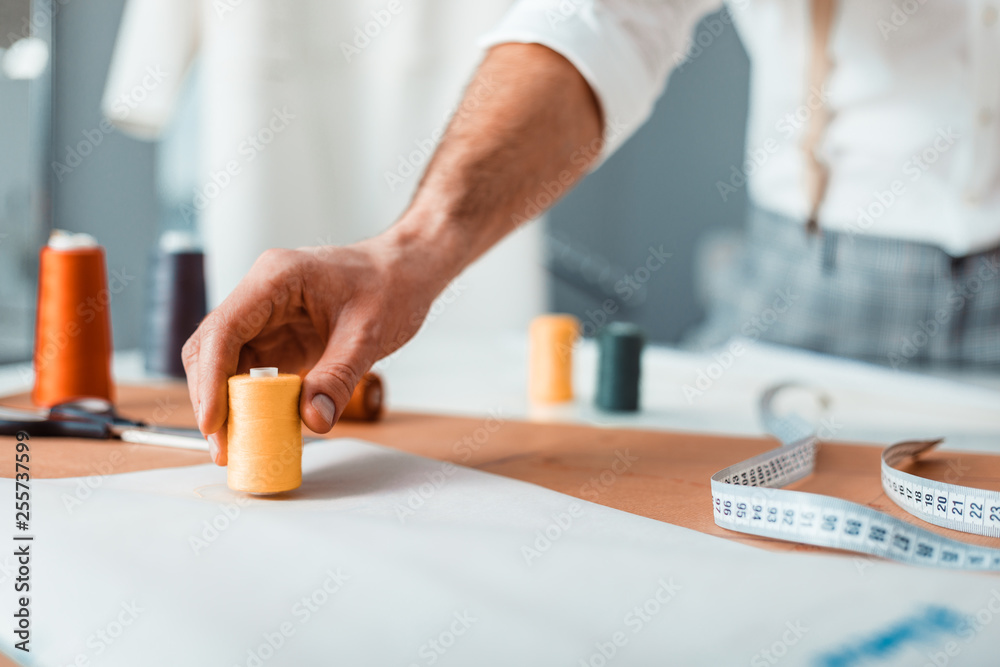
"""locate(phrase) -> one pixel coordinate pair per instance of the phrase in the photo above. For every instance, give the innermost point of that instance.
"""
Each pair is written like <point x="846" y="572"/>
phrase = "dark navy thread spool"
<point x="619" y="367"/>
<point x="177" y="302"/>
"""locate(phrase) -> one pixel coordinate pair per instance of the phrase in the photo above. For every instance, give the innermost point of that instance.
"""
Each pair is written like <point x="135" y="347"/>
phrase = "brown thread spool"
<point x="265" y="432"/>
<point x="366" y="401"/>
<point x="550" y="358"/>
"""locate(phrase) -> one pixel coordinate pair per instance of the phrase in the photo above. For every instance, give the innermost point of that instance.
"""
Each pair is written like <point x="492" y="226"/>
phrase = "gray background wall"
<point x="23" y="196"/>
<point x="112" y="194"/>
<point x="658" y="190"/>
<point x="19" y="179"/>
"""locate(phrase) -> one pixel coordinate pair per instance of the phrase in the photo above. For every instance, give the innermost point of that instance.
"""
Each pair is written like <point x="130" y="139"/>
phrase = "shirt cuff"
<point x="606" y="56"/>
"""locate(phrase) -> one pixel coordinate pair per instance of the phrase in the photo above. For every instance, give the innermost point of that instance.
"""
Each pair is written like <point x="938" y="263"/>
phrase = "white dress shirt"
<point x="912" y="145"/>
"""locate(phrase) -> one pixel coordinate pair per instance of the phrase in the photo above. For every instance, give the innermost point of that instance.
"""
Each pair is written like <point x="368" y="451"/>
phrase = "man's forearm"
<point x="527" y="131"/>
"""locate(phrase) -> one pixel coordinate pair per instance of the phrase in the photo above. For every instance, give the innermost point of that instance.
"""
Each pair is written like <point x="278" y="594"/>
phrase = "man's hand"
<point x="331" y="313"/>
<point x="327" y="312"/>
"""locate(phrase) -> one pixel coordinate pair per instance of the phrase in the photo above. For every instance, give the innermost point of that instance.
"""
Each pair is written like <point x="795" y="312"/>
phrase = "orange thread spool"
<point x="550" y="358"/>
<point x="265" y="432"/>
<point x="73" y="327"/>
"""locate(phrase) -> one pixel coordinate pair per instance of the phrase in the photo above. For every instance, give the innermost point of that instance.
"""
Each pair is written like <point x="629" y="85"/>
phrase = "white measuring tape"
<point x="748" y="498"/>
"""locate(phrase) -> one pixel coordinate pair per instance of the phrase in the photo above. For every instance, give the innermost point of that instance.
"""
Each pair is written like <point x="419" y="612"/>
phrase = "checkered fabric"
<point x="857" y="295"/>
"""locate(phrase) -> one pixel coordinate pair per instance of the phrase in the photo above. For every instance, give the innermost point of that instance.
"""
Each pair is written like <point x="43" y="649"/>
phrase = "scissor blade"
<point x="177" y="438"/>
<point x="24" y="415"/>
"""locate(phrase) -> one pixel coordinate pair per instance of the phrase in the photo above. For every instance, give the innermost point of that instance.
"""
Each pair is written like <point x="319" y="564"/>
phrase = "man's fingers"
<point x="223" y="333"/>
<point x="218" y="446"/>
<point x="215" y="365"/>
<point x="189" y="356"/>
<point x="218" y="360"/>
<point x="327" y="388"/>
<point x="217" y="442"/>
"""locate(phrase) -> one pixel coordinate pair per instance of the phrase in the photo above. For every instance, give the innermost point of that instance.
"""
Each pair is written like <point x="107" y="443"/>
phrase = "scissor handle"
<point x="57" y="428"/>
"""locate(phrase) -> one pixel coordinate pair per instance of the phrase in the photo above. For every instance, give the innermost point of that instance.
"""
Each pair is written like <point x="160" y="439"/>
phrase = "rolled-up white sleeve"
<point x="625" y="49"/>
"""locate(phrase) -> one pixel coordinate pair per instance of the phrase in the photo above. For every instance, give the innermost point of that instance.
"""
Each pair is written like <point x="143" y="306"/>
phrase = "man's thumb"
<point x="327" y="389"/>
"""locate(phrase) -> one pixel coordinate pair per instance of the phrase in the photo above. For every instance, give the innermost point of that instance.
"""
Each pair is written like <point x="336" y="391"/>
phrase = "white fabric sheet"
<point x="122" y="579"/>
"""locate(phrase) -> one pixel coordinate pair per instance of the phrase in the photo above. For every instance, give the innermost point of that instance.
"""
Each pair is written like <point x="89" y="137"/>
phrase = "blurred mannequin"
<point x="316" y="122"/>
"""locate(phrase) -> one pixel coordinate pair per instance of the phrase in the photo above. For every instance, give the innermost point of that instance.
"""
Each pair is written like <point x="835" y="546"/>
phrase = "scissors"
<point x="94" y="418"/>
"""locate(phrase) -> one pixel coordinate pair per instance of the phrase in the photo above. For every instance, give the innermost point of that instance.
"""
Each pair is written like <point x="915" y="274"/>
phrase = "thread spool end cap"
<point x="264" y="372"/>
<point x="178" y="241"/>
<point x="60" y="239"/>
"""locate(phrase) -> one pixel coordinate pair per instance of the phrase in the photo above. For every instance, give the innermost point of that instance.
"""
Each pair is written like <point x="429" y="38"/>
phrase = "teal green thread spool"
<point x="619" y="367"/>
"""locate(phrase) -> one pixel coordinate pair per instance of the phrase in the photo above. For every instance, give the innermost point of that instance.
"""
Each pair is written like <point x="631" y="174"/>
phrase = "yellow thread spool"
<point x="550" y="358"/>
<point x="265" y="432"/>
